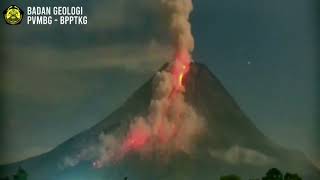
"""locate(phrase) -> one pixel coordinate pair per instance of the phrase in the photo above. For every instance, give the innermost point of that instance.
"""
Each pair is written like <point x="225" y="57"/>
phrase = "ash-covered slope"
<point x="232" y="144"/>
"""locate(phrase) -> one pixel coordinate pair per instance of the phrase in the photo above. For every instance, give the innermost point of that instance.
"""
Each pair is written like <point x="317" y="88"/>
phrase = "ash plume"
<point x="179" y="25"/>
<point x="171" y="125"/>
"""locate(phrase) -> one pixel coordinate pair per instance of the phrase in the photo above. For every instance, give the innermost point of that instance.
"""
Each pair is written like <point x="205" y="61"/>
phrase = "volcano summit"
<point x="230" y="144"/>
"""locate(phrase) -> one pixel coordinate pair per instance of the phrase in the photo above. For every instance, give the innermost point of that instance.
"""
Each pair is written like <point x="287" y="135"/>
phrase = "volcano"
<point x="231" y="144"/>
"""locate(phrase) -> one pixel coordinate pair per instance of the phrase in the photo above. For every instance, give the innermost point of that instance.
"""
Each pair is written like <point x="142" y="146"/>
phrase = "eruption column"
<point x="183" y="42"/>
<point x="171" y="124"/>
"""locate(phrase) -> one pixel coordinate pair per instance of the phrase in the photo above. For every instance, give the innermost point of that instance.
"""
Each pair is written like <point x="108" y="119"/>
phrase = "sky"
<point x="61" y="80"/>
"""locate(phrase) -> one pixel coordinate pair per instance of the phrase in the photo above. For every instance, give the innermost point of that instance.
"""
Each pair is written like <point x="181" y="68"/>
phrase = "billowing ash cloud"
<point x="241" y="155"/>
<point x="180" y="27"/>
<point x="171" y="125"/>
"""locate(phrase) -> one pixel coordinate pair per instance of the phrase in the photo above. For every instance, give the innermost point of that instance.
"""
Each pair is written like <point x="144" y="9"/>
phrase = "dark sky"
<point x="60" y="80"/>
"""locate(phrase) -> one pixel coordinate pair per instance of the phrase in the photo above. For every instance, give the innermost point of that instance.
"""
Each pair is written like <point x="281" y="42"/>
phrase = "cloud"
<point x="127" y="14"/>
<point x="171" y="126"/>
<point x="113" y="15"/>
<point x="316" y="162"/>
<point x="48" y="68"/>
<point x="108" y="15"/>
<point x="132" y="57"/>
<point x="48" y="72"/>
<point x="109" y="23"/>
<point x="241" y="155"/>
<point x="13" y="156"/>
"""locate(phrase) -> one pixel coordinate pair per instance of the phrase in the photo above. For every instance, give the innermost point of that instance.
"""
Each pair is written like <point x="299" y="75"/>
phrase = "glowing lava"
<point x="171" y="124"/>
<point x="135" y="140"/>
<point x="180" y="69"/>
<point x="140" y="135"/>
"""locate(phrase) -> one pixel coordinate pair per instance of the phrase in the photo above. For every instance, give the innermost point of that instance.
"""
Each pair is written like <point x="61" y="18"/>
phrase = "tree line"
<point x="272" y="174"/>
<point x="21" y="174"/>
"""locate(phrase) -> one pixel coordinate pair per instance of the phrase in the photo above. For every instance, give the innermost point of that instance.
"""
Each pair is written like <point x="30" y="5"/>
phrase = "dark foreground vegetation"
<point x="272" y="174"/>
<point x="21" y="174"/>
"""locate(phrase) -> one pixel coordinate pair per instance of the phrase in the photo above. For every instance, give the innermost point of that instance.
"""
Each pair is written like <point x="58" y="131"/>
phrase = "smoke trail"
<point x="180" y="27"/>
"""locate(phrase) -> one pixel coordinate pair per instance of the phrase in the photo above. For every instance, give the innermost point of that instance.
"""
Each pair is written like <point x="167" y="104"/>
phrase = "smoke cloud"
<point x="241" y="155"/>
<point x="180" y="27"/>
<point x="172" y="125"/>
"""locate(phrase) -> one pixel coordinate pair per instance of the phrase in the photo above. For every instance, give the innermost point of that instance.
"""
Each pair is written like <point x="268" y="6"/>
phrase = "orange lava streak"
<point x="181" y="76"/>
<point x="180" y="68"/>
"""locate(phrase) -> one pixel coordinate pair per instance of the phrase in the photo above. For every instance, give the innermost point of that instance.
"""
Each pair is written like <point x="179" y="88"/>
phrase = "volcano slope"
<point x="231" y="144"/>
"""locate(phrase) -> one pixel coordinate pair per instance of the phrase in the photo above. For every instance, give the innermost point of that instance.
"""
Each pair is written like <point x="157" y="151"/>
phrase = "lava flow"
<point x="180" y="68"/>
<point x="138" y="137"/>
<point x="171" y="124"/>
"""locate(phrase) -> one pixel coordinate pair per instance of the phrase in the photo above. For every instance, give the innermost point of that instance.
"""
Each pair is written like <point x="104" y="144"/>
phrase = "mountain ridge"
<point x="228" y="127"/>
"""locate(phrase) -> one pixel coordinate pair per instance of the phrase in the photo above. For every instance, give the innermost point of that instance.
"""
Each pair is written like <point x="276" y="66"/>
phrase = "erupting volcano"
<point x="203" y="135"/>
<point x="182" y="116"/>
<point x="171" y="124"/>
